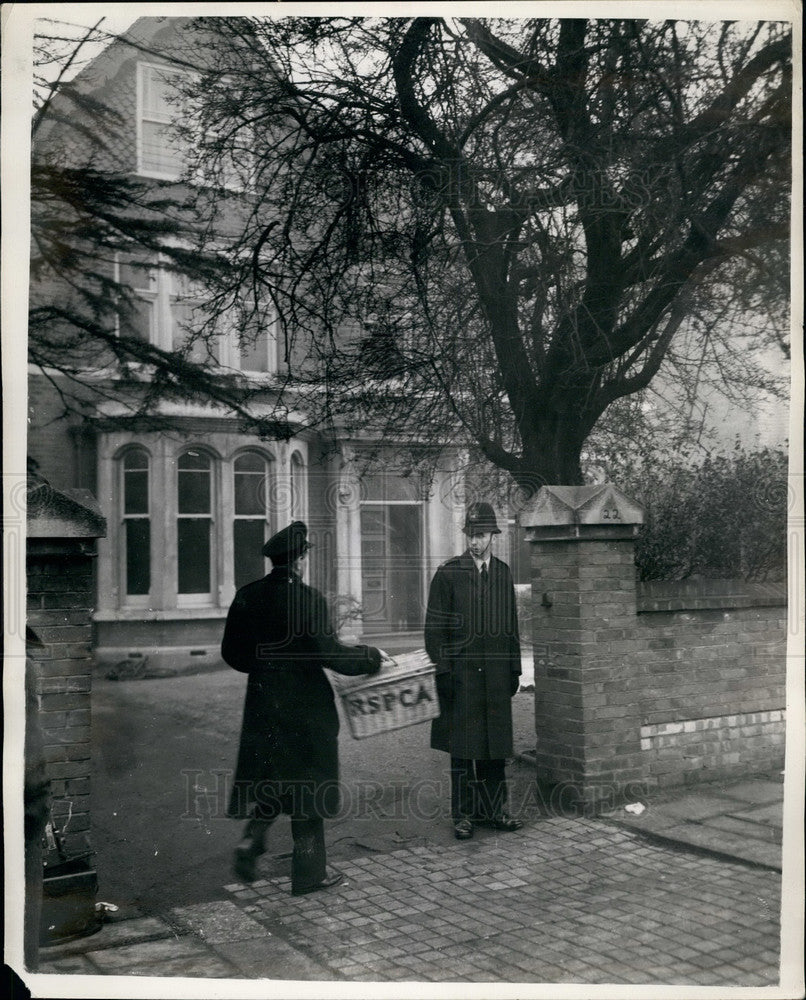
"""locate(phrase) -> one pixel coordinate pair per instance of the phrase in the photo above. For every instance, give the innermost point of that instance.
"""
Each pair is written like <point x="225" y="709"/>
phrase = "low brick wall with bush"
<point x="652" y="684"/>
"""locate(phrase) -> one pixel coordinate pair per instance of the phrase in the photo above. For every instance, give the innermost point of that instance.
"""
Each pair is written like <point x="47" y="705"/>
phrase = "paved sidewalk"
<point x="564" y="900"/>
<point x="739" y="819"/>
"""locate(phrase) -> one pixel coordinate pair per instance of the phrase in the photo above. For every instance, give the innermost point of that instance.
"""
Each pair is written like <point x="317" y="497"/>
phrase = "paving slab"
<point x="757" y="790"/>
<point x="744" y="827"/>
<point x="772" y="814"/>
<point x="689" y="808"/>
<point x="195" y="966"/>
<point x="719" y="817"/>
<point x="78" y="965"/>
<point x="273" y="958"/>
<point x="721" y="842"/>
<point x="216" y="922"/>
<point x="112" y="934"/>
<point x="132" y="959"/>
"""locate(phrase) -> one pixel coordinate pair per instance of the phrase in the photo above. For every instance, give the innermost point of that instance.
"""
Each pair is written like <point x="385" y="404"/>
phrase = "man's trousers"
<point x="478" y="788"/>
<point x="309" y="859"/>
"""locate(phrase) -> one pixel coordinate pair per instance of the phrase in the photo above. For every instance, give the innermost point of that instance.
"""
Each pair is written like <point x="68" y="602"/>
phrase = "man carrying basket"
<point x="278" y="631"/>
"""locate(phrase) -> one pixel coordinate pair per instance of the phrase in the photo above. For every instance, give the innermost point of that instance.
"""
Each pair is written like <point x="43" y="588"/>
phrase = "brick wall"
<point x="660" y="684"/>
<point x="709" y="673"/>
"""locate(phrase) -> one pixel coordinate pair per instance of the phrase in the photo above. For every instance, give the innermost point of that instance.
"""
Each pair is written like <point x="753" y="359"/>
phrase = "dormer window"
<point x="165" y="152"/>
<point x="161" y="152"/>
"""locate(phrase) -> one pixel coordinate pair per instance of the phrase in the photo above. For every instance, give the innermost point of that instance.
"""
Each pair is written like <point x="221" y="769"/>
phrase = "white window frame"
<point x="142" y="69"/>
<point x="422" y="512"/>
<point x="271" y="350"/>
<point x="207" y="599"/>
<point x="299" y="505"/>
<point x="149" y="295"/>
<point x="128" y="600"/>
<point x="270" y="472"/>
<point x="167" y="291"/>
<point x="179" y="289"/>
<point x="229" y="343"/>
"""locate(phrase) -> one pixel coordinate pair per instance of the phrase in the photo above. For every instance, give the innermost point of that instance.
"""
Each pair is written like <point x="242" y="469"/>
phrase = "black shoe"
<point x="326" y="883"/>
<point x="503" y="822"/>
<point x="244" y="863"/>
<point x="463" y="829"/>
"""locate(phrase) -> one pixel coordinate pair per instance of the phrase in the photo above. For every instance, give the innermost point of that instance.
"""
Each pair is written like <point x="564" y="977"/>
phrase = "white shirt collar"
<point x="481" y="563"/>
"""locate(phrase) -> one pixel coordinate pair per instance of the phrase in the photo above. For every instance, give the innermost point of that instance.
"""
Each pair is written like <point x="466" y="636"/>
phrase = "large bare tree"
<point x="495" y="230"/>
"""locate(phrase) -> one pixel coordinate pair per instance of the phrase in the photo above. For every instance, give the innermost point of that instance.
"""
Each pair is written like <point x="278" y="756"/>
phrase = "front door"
<point x="392" y="566"/>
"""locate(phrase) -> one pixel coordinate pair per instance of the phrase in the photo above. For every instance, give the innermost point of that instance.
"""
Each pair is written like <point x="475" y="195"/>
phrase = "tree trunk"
<point x="555" y="457"/>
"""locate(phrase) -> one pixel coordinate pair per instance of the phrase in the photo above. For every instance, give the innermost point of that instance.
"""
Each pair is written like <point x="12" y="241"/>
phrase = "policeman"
<point x="278" y="632"/>
<point x="471" y="634"/>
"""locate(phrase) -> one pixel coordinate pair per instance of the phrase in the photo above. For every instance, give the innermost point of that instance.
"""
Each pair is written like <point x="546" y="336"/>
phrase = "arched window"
<point x="136" y="522"/>
<point x="250" y="517"/>
<point x="194" y="491"/>
<point x="298" y="488"/>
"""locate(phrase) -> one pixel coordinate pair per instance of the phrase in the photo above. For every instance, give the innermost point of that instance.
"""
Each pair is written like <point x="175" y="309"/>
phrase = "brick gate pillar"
<point x="584" y="613"/>
<point x="63" y="526"/>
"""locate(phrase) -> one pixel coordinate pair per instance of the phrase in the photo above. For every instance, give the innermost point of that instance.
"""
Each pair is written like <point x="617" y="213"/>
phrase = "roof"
<point x="69" y="513"/>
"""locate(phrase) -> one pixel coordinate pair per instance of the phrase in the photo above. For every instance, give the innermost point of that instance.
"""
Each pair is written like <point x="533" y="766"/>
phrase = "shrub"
<point x="723" y="518"/>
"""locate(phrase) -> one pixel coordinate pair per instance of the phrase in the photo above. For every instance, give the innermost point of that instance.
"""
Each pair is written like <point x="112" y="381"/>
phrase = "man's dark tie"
<point x="483" y="598"/>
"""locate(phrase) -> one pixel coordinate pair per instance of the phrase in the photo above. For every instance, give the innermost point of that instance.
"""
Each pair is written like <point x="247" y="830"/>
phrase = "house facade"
<point x="190" y="496"/>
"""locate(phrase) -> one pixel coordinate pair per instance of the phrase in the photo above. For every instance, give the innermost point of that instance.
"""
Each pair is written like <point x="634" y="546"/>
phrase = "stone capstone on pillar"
<point x="581" y="511"/>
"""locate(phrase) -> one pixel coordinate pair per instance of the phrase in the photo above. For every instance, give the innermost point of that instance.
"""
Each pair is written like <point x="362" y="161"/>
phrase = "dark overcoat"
<point x="472" y="636"/>
<point x="278" y="631"/>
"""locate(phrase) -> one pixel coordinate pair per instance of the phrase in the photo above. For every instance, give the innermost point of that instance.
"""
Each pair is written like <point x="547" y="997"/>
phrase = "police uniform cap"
<point x="288" y="544"/>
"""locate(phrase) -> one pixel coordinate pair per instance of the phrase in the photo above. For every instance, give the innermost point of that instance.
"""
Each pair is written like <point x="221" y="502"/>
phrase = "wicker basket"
<point x="398" y="696"/>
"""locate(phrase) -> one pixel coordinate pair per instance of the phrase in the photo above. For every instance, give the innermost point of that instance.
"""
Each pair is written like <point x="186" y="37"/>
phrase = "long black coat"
<point x="278" y="631"/>
<point x="474" y="639"/>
